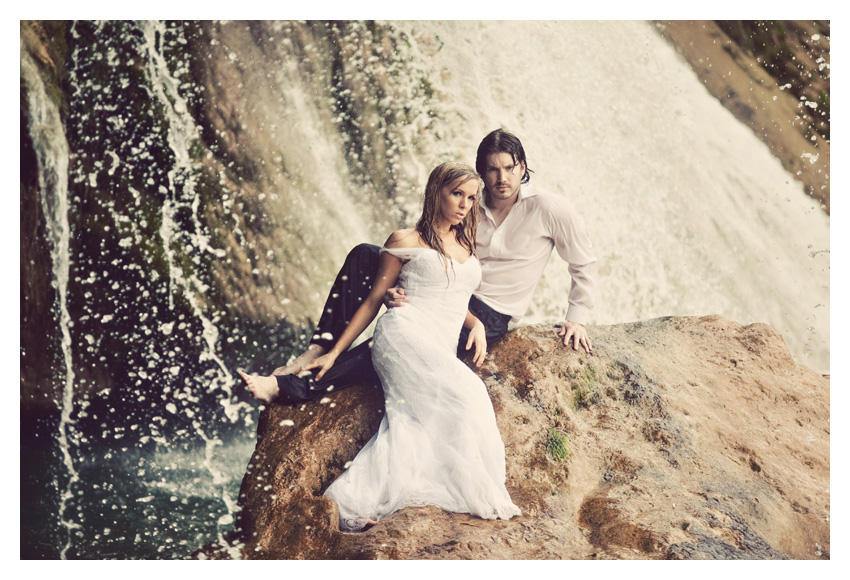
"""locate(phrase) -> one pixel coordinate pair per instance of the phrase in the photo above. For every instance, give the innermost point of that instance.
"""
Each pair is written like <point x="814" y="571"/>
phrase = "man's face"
<point x="502" y="176"/>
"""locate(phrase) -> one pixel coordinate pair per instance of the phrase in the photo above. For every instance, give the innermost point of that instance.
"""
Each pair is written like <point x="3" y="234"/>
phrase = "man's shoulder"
<point x="544" y="200"/>
<point x="554" y="210"/>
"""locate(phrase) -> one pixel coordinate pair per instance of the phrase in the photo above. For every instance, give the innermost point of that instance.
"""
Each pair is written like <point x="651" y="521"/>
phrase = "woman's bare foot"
<point x="263" y="388"/>
<point x="313" y="352"/>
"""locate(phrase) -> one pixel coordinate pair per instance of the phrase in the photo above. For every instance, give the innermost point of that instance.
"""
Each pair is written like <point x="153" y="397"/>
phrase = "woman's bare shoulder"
<point x="408" y="238"/>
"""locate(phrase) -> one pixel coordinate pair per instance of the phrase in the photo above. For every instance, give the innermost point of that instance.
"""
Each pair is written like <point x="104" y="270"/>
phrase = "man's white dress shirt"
<point x="514" y="254"/>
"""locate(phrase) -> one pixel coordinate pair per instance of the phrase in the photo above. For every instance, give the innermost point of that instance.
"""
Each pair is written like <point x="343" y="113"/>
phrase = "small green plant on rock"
<point x="616" y="372"/>
<point x="590" y="377"/>
<point x="584" y="394"/>
<point x="557" y="445"/>
<point x="582" y="398"/>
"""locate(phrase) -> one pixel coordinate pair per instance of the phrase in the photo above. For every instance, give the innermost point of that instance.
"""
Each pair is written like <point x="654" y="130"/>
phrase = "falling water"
<point x="52" y="154"/>
<point x="176" y="376"/>
<point x="180" y="191"/>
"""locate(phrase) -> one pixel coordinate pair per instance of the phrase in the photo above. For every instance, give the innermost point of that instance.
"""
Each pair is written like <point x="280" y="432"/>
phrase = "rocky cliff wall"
<point x="678" y="438"/>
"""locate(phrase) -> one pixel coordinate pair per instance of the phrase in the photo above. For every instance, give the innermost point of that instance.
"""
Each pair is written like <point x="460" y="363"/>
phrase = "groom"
<point x="518" y="228"/>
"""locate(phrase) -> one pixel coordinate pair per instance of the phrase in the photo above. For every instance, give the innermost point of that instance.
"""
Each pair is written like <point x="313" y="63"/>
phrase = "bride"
<point x="438" y="442"/>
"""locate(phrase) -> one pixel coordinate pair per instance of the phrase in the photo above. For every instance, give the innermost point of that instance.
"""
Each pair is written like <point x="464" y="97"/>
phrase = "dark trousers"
<point x="354" y="367"/>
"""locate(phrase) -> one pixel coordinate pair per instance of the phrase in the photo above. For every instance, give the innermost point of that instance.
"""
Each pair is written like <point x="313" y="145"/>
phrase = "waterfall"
<point x="210" y="178"/>
<point x="51" y="149"/>
<point x="180" y="191"/>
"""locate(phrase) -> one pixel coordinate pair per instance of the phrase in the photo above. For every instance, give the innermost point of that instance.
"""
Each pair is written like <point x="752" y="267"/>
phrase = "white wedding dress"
<point x="438" y="442"/>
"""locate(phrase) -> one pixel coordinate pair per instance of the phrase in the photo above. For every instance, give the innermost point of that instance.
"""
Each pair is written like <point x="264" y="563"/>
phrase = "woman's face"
<point x="456" y="200"/>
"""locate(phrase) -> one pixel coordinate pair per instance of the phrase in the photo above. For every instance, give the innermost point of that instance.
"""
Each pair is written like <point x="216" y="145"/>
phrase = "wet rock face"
<point x="194" y="194"/>
<point x="678" y="438"/>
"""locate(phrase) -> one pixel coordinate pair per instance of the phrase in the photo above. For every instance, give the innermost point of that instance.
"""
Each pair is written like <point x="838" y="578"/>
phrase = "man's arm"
<point x="395" y="297"/>
<point x="569" y="233"/>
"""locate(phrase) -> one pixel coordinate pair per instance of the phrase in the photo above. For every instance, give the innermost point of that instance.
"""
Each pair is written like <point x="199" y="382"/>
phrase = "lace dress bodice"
<point x="438" y="289"/>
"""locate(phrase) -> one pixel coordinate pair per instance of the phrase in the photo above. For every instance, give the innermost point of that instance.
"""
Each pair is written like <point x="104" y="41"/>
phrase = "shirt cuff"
<point x="578" y="313"/>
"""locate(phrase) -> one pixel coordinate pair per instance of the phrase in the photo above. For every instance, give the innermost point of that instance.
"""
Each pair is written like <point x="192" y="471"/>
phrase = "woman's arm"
<point x="477" y="336"/>
<point x="388" y="271"/>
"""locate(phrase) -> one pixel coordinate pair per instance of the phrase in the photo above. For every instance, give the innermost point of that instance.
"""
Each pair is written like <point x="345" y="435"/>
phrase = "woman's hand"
<point x="323" y="363"/>
<point x="478" y="338"/>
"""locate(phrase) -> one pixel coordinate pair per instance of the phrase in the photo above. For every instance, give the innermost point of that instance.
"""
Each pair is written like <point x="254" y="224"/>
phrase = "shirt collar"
<point x="524" y="192"/>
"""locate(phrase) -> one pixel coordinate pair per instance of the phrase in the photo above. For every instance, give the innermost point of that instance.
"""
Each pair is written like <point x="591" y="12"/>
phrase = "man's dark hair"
<point x="500" y="141"/>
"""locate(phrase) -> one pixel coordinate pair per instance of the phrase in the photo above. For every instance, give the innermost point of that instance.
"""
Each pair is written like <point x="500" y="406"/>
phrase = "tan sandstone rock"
<point x="687" y="438"/>
<point x="740" y="82"/>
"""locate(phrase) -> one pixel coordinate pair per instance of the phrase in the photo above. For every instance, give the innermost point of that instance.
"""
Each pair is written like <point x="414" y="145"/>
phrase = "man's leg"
<point x="348" y="291"/>
<point x="353" y="367"/>
<point x="495" y="325"/>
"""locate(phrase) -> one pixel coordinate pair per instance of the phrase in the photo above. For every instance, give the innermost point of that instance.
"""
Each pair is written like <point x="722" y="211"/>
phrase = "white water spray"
<point x="181" y="133"/>
<point x="51" y="149"/>
<point x="181" y="193"/>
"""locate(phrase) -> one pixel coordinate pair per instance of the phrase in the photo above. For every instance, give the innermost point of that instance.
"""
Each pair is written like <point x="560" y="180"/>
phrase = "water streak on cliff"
<point x="180" y="193"/>
<point x="51" y="149"/>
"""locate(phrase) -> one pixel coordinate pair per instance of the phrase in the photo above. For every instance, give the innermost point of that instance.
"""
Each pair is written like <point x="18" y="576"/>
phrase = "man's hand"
<point x="478" y="337"/>
<point x="577" y="333"/>
<point x="395" y="297"/>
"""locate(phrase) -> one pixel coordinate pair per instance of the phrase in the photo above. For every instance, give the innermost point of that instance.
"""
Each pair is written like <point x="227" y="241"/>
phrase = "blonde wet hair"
<point x="442" y="176"/>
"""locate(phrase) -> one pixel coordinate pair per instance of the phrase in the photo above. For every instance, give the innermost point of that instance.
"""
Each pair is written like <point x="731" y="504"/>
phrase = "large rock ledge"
<point x="688" y="438"/>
